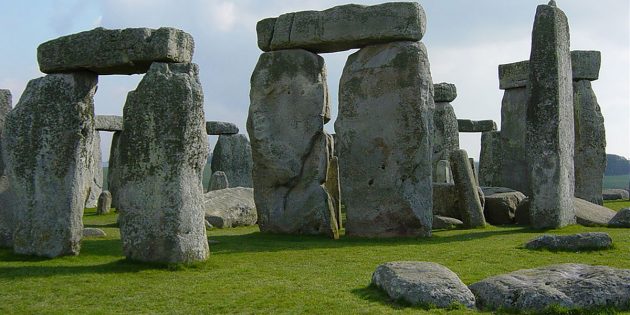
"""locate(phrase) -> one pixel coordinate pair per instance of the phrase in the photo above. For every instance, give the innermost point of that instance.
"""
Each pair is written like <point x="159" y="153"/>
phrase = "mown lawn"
<point x="251" y="272"/>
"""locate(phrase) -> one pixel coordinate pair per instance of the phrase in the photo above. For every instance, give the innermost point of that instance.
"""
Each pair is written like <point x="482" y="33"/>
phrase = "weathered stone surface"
<point x="490" y="158"/>
<point x="496" y="190"/>
<point x="6" y="208"/>
<point x="104" y="203"/>
<point x="467" y="125"/>
<point x="233" y="155"/>
<point x="590" y="143"/>
<point x="621" y="219"/>
<point x="471" y="161"/>
<point x="446" y="200"/>
<point x="343" y="27"/>
<point x="514" y="168"/>
<point x="573" y="286"/>
<point x="469" y="202"/>
<point x="550" y="136"/>
<point x="422" y="284"/>
<point x="500" y="208"/>
<point x="47" y="146"/>
<point x="590" y="214"/>
<point x="230" y="207"/>
<point x="586" y="64"/>
<point x="162" y="152"/>
<point x="445" y="133"/>
<point x="333" y="186"/>
<point x="573" y="242"/>
<point x="123" y="51"/>
<point x="442" y="173"/>
<point x="445" y="223"/>
<point x="218" y="181"/>
<point x="96" y="186"/>
<point x="113" y="168"/>
<point x="615" y="194"/>
<point x="290" y="150"/>
<point x="385" y="126"/>
<point x="93" y="232"/>
<point x="444" y="92"/>
<point x="514" y="75"/>
<point x="108" y="123"/>
<point x="221" y="128"/>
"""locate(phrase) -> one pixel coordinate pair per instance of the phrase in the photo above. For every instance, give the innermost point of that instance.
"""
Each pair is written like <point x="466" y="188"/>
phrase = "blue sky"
<point x="466" y="41"/>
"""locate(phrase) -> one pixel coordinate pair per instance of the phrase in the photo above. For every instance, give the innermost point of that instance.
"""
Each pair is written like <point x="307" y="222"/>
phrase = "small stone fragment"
<point x="621" y="219"/>
<point x="446" y="223"/>
<point x="573" y="242"/>
<point x="93" y="232"/>
<point x="218" y="181"/>
<point x="615" y="194"/>
<point x="104" y="203"/>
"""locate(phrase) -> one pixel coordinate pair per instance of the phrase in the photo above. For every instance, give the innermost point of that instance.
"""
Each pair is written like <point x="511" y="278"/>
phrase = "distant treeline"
<point x="617" y="165"/>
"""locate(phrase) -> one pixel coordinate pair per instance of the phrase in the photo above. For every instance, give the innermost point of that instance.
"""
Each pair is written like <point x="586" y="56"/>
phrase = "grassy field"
<point x="252" y="272"/>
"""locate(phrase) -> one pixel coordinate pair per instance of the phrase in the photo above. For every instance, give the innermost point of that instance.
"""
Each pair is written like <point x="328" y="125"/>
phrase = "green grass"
<point x="252" y="272"/>
<point x="618" y="181"/>
<point x="617" y="204"/>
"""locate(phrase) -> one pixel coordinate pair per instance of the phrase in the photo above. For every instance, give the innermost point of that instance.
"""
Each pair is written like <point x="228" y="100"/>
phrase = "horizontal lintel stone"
<point x="220" y="128"/>
<point x="444" y="92"/>
<point x="108" y="123"/>
<point x="466" y="125"/>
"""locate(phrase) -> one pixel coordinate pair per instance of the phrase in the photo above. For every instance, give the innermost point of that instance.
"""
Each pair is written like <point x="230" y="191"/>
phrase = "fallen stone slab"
<point x="422" y="284"/>
<point x="466" y="125"/>
<point x="621" y="219"/>
<point x="343" y="27"/>
<point x="573" y="242"/>
<point x="500" y="207"/>
<point x="590" y="214"/>
<point x="444" y="92"/>
<point x="120" y="51"/>
<point x="446" y="223"/>
<point x="93" y="232"/>
<point x="230" y="207"/>
<point x="108" y="123"/>
<point x="217" y="128"/>
<point x="615" y="194"/>
<point x="572" y="286"/>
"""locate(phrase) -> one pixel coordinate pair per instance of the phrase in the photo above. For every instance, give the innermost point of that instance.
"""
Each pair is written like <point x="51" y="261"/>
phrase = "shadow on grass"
<point x="114" y="267"/>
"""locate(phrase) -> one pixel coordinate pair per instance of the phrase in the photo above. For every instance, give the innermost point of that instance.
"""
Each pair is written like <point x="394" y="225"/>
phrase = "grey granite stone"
<point x="108" y="123"/>
<point x="221" y="128"/>
<point x="233" y="155"/>
<point x="467" y="125"/>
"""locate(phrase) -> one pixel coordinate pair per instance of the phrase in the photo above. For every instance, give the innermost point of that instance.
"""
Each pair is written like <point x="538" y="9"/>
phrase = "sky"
<point x="466" y="41"/>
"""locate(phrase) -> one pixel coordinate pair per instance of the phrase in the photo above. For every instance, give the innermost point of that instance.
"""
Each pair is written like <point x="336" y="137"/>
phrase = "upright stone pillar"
<point x="466" y="186"/>
<point x="290" y="150"/>
<point x="590" y="133"/>
<point x="490" y="159"/>
<point x="47" y="144"/>
<point x="163" y="149"/>
<point x="384" y="128"/>
<point x="550" y="129"/>
<point x="445" y="134"/>
<point x="6" y="208"/>
<point x="233" y="155"/>
<point x="113" y="178"/>
<point x="96" y="186"/>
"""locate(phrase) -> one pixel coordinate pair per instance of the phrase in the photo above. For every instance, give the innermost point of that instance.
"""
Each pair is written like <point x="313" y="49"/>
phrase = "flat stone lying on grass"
<point x="586" y="213"/>
<point x="343" y="27"/>
<point x="218" y="128"/>
<point x="108" y="123"/>
<point x="615" y="194"/>
<point x="572" y="286"/>
<point x="122" y="51"/>
<point x="621" y="219"/>
<point x="441" y="222"/>
<point x="230" y="207"/>
<point x="93" y="232"/>
<point x="573" y="242"/>
<point x="467" y="125"/>
<point x="422" y="284"/>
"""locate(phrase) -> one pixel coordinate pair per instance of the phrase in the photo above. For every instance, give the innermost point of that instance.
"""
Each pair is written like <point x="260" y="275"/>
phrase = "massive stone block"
<point x="514" y="75"/>
<point x="385" y="137"/>
<point x="233" y="155"/>
<point x="514" y="170"/>
<point x="221" y="128"/>
<point x="47" y="146"/>
<point x="163" y="149"/>
<point x="467" y="190"/>
<point x="445" y="133"/>
<point x="289" y="99"/>
<point x="343" y="27"/>
<point x="123" y="51"/>
<point x="550" y="136"/>
<point x="590" y="143"/>
<point x="467" y="125"/>
<point x="96" y="187"/>
<point x="444" y="92"/>
<point x="108" y="123"/>
<point x="6" y="209"/>
<point x="490" y="159"/>
<point x="585" y="64"/>
<point x="113" y="167"/>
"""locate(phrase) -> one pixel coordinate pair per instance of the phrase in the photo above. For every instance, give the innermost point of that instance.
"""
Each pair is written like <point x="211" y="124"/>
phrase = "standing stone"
<point x="47" y="146"/>
<point x="385" y="126"/>
<point x="104" y="203"/>
<point x="233" y="155"/>
<point x="445" y="133"/>
<point x="163" y="150"/>
<point x="442" y="173"/>
<point x="113" y="178"/>
<point x="490" y="159"/>
<point x="290" y="150"/>
<point x="6" y="208"/>
<point x="590" y="143"/>
<point x="550" y="135"/>
<point x="466" y="185"/>
<point x="218" y="181"/>
<point x="333" y="187"/>
<point x="96" y="186"/>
